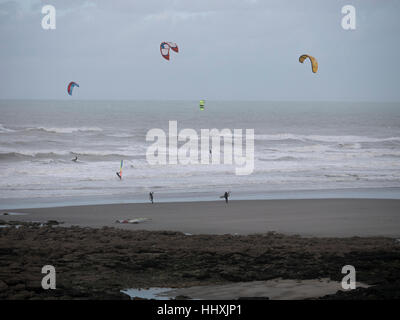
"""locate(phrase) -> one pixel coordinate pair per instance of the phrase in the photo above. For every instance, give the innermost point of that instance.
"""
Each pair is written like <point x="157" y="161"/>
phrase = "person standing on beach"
<point x="151" y="195"/>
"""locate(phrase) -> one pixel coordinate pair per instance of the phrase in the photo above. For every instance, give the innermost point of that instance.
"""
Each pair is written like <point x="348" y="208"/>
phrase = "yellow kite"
<point x="314" y="62"/>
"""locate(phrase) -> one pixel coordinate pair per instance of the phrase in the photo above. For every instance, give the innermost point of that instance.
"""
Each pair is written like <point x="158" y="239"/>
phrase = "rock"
<point x="23" y="295"/>
<point x="182" y="297"/>
<point x="52" y="223"/>
<point x="3" y="285"/>
<point x="19" y="286"/>
<point x="97" y="263"/>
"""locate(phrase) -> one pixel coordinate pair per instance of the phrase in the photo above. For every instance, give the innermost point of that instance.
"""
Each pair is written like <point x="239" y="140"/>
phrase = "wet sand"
<point x="277" y="289"/>
<point x="320" y="217"/>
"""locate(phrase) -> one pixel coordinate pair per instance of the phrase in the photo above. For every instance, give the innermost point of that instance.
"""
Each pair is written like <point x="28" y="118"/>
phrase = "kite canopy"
<point x="71" y="86"/>
<point x="201" y="104"/>
<point x="165" y="46"/>
<point x="314" y="62"/>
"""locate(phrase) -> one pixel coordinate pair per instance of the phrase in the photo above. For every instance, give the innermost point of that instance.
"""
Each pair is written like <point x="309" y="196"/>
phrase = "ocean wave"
<point x="4" y="155"/>
<point x="344" y="140"/>
<point x="120" y="135"/>
<point x="65" y="130"/>
<point x="88" y="155"/>
<point x="284" y="158"/>
<point x="4" y="129"/>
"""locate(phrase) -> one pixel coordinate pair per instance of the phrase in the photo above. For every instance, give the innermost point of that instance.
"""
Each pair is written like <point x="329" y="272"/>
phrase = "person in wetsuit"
<point x="151" y="196"/>
<point x="226" y="196"/>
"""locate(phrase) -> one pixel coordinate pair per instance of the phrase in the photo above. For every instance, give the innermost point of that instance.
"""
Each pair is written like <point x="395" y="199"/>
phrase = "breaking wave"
<point x="65" y="130"/>
<point x="89" y="155"/>
<point x="320" y="138"/>
<point x="4" y="129"/>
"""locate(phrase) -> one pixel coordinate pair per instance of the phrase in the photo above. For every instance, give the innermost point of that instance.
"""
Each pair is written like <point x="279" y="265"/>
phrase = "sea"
<point x="301" y="150"/>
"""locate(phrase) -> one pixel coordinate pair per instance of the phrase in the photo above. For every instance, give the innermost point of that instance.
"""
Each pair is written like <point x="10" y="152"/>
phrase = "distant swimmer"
<point x="151" y="196"/>
<point x="210" y="151"/>
<point x="75" y="160"/>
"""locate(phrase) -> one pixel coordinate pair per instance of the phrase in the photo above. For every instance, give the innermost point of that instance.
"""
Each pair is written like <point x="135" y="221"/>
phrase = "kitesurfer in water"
<point x="151" y="195"/>
<point x="119" y="174"/>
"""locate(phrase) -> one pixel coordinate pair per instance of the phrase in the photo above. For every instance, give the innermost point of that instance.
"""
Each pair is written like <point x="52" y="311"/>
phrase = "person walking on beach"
<point x="151" y="195"/>
<point x="226" y="196"/>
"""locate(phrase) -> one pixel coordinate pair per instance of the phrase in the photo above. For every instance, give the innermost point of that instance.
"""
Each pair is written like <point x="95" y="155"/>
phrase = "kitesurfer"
<point x="119" y="174"/>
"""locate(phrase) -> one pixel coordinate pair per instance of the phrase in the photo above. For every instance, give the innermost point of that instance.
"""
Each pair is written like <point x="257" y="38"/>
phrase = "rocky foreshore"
<point x="94" y="263"/>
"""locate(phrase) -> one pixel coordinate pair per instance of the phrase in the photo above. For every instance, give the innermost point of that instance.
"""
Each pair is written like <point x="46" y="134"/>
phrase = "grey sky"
<point x="229" y="49"/>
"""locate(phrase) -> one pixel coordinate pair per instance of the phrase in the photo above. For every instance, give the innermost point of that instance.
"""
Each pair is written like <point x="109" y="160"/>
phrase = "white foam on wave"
<point x="49" y="154"/>
<point x="322" y="138"/>
<point x="121" y="135"/>
<point x="65" y="130"/>
<point x="4" y="129"/>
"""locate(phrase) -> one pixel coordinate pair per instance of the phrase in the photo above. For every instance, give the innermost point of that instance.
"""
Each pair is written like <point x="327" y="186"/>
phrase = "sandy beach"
<point x="317" y="218"/>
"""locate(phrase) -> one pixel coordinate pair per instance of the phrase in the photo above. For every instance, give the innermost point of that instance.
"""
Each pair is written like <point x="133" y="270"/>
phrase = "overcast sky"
<point x="229" y="50"/>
